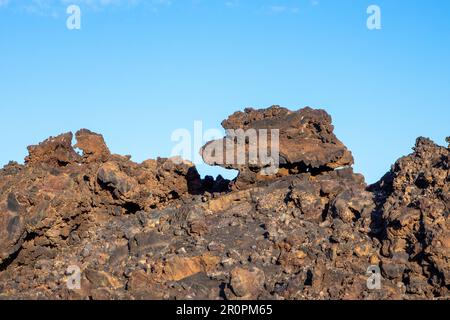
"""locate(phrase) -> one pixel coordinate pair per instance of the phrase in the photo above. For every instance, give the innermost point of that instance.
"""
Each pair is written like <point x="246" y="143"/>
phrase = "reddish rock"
<point x="247" y="283"/>
<point x="55" y="151"/>
<point x="155" y="230"/>
<point x="306" y="143"/>
<point x="93" y="146"/>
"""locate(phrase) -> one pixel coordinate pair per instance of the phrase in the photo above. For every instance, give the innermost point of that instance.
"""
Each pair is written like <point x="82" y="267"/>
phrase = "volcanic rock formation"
<point x="306" y="143"/>
<point x="156" y="230"/>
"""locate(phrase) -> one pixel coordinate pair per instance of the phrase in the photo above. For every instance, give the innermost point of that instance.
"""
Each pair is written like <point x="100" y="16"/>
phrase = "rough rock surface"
<point x="155" y="230"/>
<point x="414" y="199"/>
<point x="306" y="143"/>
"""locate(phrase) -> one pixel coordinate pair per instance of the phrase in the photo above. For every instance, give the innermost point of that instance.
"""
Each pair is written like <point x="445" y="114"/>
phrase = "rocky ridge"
<point x="156" y="230"/>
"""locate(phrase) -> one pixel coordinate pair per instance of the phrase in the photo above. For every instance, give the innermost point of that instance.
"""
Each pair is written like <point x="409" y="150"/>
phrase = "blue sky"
<point x="138" y="70"/>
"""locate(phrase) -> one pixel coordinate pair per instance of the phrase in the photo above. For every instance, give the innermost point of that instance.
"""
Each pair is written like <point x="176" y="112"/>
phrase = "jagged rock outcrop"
<point x="305" y="141"/>
<point x="57" y="190"/>
<point x="155" y="230"/>
<point x="414" y="198"/>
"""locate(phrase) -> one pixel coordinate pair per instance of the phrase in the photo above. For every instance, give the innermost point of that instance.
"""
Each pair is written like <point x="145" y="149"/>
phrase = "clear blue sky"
<point x="137" y="70"/>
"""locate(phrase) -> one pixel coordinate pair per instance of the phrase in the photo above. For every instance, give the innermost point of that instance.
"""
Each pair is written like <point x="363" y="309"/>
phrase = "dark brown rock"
<point x="55" y="151"/>
<point x="306" y="142"/>
<point x="155" y="230"/>
<point x="414" y="200"/>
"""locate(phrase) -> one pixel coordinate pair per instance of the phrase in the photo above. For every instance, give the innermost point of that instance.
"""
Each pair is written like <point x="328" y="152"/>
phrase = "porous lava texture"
<point x="156" y="230"/>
